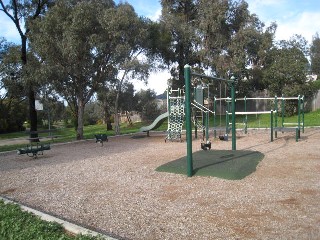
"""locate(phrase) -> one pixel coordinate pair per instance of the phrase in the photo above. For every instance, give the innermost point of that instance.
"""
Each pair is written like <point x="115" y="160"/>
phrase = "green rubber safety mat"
<point x="226" y="164"/>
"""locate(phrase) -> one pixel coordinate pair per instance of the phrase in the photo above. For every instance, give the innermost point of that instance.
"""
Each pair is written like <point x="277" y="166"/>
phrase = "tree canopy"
<point x="315" y="55"/>
<point x="84" y="49"/>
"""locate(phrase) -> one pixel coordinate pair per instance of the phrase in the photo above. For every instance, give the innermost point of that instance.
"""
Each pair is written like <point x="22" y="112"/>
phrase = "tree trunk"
<point x="32" y="115"/>
<point x="128" y="118"/>
<point x="107" y="115"/>
<point x="30" y="94"/>
<point x="81" y="106"/>
<point x="116" y="116"/>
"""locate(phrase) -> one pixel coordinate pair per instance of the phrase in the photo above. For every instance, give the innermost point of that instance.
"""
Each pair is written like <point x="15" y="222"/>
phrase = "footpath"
<point x="12" y="141"/>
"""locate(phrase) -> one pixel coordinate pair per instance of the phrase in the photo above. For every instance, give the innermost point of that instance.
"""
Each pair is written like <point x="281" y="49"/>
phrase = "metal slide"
<point x="156" y="123"/>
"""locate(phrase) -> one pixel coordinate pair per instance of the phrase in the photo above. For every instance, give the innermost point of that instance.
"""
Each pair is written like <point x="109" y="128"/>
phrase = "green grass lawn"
<point x="69" y="134"/>
<point x="311" y="119"/>
<point x="18" y="224"/>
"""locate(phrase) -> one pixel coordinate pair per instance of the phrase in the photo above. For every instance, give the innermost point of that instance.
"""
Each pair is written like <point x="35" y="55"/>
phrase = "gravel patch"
<point x="115" y="189"/>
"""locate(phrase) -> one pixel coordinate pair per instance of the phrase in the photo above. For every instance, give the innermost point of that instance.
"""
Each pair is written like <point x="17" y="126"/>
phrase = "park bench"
<point x="34" y="150"/>
<point x="101" y="138"/>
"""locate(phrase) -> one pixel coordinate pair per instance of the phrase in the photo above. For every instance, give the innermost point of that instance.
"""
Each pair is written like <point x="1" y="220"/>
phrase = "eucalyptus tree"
<point x="75" y="51"/>
<point x="146" y="104"/>
<point x="234" y="40"/>
<point x="315" y="55"/>
<point x="12" y="94"/>
<point x="286" y="69"/>
<point x="130" y="32"/>
<point x="22" y="13"/>
<point x="179" y="19"/>
<point x="84" y="45"/>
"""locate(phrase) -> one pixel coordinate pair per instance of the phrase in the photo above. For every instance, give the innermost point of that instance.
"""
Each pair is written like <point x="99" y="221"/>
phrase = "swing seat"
<point x="206" y="146"/>
<point x="223" y="137"/>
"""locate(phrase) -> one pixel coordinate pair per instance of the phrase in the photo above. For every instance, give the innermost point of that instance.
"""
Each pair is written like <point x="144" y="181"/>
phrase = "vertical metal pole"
<point x="299" y="117"/>
<point x="207" y="126"/>
<point x="233" y="108"/>
<point x="214" y="117"/>
<point x="246" y="117"/>
<point x="282" y="111"/>
<point x="302" y="114"/>
<point x="271" y="125"/>
<point x="299" y="111"/>
<point x="187" y="75"/>
<point x="227" y="122"/>
<point x="276" y="116"/>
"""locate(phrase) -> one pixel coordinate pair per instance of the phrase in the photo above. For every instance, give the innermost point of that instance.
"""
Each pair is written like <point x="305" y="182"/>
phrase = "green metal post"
<point x="246" y="117"/>
<point x="214" y="117"/>
<point x="227" y="122"/>
<point x="282" y="111"/>
<point x="276" y="116"/>
<point x="187" y="76"/>
<point x="302" y="114"/>
<point x="207" y="126"/>
<point x="297" y="134"/>
<point x="299" y="112"/>
<point x="233" y="108"/>
<point x="271" y="125"/>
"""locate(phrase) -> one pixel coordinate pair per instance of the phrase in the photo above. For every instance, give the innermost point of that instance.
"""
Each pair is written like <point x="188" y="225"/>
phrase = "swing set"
<point x="231" y="111"/>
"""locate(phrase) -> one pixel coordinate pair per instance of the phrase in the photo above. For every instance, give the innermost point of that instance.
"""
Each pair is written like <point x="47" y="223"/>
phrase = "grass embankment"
<point x="18" y="224"/>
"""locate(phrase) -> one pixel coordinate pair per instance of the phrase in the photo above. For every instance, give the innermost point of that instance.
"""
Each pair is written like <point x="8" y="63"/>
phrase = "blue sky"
<point x="292" y="16"/>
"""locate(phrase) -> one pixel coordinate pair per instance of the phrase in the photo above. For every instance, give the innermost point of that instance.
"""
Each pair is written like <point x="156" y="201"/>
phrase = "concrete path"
<point x="13" y="141"/>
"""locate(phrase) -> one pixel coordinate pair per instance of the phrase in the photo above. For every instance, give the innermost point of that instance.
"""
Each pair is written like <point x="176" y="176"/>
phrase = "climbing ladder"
<point x="176" y="117"/>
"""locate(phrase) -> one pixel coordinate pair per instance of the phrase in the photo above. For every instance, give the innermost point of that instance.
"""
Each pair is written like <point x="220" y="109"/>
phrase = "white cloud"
<point x="292" y="17"/>
<point x="305" y="24"/>
<point x="157" y="81"/>
<point x="156" y="15"/>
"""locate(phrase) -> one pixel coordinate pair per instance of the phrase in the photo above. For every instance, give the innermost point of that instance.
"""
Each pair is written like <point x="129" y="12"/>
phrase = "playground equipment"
<point x="201" y="114"/>
<point x="34" y="150"/>
<point x="187" y="77"/>
<point x="274" y="111"/>
<point x="101" y="138"/>
<point x="176" y="110"/>
<point x="295" y="126"/>
<point x="156" y="123"/>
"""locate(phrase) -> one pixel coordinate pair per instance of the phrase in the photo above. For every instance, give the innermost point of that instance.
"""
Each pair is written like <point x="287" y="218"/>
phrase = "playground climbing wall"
<point x="176" y="117"/>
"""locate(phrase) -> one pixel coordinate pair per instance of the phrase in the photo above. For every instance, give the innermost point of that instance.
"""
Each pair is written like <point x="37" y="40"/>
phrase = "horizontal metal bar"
<point x="259" y="98"/>
<point x="218" y="99"/>
<point x="210" y="77"/>
<point x="253" y="113"/>
<point x="270" y="98"/>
